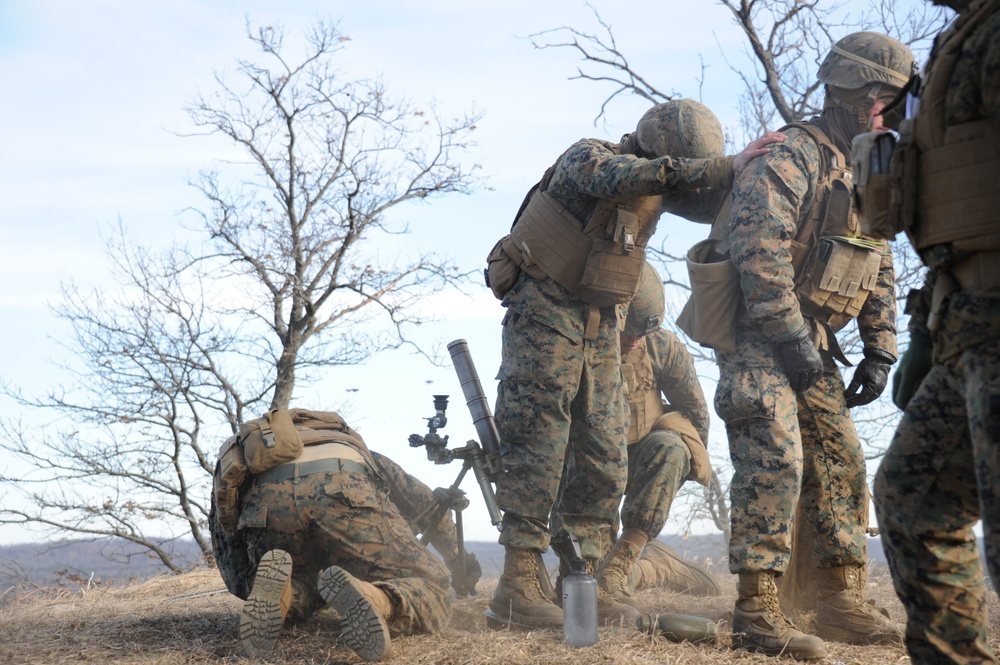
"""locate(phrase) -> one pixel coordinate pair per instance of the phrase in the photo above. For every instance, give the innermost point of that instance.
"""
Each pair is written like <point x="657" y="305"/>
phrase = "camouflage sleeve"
<point x="699" y="205"/>
<point x="770" y="197"/>
<point x="877" y="319"/>
<point x="677" y="378"/>
<point x="592" y="169"/>
<point x="410" y="495"/>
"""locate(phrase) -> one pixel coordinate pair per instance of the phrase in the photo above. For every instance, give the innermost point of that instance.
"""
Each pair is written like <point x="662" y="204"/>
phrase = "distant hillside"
<point x="72" y="563"/>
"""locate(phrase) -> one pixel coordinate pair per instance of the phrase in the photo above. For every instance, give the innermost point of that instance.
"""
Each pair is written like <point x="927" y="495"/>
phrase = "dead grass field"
<point x="187" y="619"/>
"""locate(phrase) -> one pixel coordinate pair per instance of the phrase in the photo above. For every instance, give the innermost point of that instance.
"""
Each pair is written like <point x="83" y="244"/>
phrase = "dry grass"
<point x="178" y="619"/>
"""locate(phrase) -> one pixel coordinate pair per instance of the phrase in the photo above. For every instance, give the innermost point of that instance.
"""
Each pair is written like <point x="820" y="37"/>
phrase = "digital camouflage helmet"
<point x="680" y="128"/>
<point x="646" y="310"/>
<point x="862" y="68"/>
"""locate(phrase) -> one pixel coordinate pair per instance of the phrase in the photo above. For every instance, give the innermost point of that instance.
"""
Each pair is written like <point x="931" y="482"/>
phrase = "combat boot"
<point x="759" y="625"/>
<point x="843" y="614"/>
<point x="267" y="605"/>
<point x="660" y="567"/>
<point x="364" y="610"/>
<point x="612" y="576"/>
<point x="519" y="600"/>
<point x="609" y="608"/>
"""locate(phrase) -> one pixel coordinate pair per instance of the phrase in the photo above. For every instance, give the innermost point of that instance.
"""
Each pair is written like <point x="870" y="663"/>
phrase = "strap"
<point x="593" y="323"/>
<point x="299" y="469"/>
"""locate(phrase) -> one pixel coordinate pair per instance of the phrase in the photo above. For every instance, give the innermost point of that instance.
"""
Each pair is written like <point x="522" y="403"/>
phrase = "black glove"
<point x="913" y="367"/>
<point x="869" y="378"/>
<point x="464" y="582"/>
<point x="801" y="360"/>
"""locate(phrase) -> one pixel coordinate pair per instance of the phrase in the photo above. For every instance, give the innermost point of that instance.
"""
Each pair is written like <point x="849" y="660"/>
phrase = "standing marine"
<point x="941" y="473"/>
<point x="804" y="272"/>
<point x="571" y="263"/>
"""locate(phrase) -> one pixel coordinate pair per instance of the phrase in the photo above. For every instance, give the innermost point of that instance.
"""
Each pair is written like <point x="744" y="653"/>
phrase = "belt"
<point x="291" y="470"/>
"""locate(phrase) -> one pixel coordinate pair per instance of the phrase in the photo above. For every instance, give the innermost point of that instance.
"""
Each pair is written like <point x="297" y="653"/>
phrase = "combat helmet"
<point x="646" y="310"/>
<point x="680" y="128"/>
<point x="863" y="67"/>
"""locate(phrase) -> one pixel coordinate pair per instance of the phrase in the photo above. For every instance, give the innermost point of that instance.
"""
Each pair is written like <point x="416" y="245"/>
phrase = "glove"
<point x="801" y="360"/>
<point x="869" y="378"/>
<point x="913" y="367"/>
<point x="465" y="584"/>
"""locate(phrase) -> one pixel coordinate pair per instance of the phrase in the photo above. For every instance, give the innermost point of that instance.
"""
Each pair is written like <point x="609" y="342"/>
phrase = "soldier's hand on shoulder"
<point x="756" y="148"/>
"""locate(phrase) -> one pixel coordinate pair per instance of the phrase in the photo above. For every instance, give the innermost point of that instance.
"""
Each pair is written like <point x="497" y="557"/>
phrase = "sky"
<point x="93" y="111"/>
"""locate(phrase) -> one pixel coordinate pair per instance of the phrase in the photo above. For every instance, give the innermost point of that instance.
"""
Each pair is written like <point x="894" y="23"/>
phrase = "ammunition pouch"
<point x="870" y="164"/>
<point x="231" y="472"/>
<point x="838" y="276"/>
<point x="270" y="441"/>
<point x="709" y="316"/>
<point x="501" y="270"/>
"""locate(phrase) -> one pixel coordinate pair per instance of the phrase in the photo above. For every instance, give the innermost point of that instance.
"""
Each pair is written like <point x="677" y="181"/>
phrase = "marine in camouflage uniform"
<point x="323" y="531"/>
<point x="561" y="361"/>
<point x="780" y="393"/>
<point x="941" y="472"/>
<point x="665" y="448"/>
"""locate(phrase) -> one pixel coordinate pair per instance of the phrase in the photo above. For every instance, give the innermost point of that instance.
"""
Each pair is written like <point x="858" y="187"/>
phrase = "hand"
<point x="800" y="359"/>
<point x="464" y="582"/>
<point x="913" y="367"/>
<point x="756" y="148"/>
<point x="869" y="378"/>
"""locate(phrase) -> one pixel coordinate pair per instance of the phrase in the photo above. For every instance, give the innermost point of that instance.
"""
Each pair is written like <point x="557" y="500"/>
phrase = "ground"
<point x="189" y="618"/>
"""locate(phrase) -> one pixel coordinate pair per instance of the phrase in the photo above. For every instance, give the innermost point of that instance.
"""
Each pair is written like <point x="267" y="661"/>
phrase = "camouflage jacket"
<point x="674" y="377"/>
<point x="411" y="496"/>
<point x="588" y="171"/>
<point x="772" y="198"/>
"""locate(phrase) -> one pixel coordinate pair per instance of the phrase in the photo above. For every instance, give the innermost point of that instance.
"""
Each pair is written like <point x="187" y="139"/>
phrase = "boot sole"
<point x="362" y="629"/>
<point x="507" y="621"/>
<point x="800" y="654"/>
<point x="261" y="618"/>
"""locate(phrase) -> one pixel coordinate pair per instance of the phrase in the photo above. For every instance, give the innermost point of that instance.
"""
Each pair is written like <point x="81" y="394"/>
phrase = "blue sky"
<point x="94" y="94"/>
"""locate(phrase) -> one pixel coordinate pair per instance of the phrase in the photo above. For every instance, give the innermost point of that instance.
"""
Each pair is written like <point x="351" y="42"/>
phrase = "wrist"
<point x="880" y="356"/>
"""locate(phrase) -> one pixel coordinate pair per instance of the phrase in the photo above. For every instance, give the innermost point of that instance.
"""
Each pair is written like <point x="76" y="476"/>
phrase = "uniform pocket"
<point x="746" y="394"/>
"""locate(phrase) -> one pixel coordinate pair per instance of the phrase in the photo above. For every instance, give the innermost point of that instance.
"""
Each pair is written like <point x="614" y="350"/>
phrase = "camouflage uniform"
<point x="346" y="519"/>
<point x="659" y="460"/>
<point x="552" y="398"/>
<point x="941" y="472"/>
<point x="782" y="442"/>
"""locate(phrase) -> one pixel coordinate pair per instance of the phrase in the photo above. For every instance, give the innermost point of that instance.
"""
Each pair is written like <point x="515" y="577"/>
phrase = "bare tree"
<point x="285" y="276"/>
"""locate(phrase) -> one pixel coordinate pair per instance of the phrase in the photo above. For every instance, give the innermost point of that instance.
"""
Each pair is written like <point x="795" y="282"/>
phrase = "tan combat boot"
<point x="843" y="614"/>
<point x="613" y="574"/>
<point x="519" y="601"/>
<point x="267" y="605"/>
<point x="759" y="625"/>
<point x="611" y="609"/>
<point x="364" y="610"/>
<point x="660" y="567"/>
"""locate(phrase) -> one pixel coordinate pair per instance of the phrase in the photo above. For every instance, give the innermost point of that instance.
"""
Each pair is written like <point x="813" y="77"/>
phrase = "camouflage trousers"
<point x="657" y="467"/>
<point x="560" y="401"/>
<point x="941" y="475"/>
<point x="342" y="519"/>
<point x="784" y="445"/>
